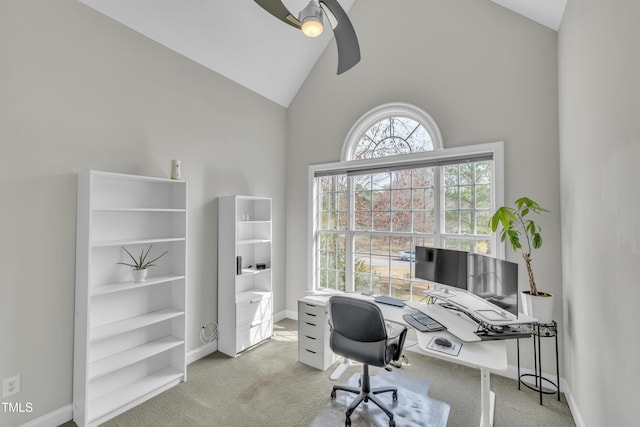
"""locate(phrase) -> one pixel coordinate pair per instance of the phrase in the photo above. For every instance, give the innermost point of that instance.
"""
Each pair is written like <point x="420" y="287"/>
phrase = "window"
<point x="397" y="189"/>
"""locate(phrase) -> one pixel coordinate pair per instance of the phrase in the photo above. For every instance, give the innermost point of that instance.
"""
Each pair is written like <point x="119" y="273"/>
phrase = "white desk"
<point x="484" y="355"/>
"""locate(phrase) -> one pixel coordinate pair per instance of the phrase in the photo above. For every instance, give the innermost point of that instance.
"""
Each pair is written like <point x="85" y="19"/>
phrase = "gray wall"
<point x="484" y="73"/>
<point x="599" y="152"/>
<point x="80" y="91"/>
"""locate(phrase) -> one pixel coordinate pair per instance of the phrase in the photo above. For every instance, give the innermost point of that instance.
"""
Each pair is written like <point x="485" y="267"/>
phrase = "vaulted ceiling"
<point x="238" y="39"/>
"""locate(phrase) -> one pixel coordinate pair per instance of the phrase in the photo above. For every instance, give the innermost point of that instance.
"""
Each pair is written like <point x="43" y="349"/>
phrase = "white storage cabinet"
<point x="245" y="300"/>
<point x="313" y="333"/>
<point x="129" y="338"/>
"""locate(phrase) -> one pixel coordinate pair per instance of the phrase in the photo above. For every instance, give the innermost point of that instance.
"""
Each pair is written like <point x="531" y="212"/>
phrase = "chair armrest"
<point x="396" y="333"/>
<point x="394" y="329"/>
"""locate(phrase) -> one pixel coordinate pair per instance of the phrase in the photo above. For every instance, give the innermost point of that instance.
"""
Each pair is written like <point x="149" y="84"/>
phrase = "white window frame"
<point x="495" y="149"/>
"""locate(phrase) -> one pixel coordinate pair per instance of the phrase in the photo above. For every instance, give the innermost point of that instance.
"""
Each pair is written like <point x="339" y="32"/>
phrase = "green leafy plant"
<point x="516" y="226"/>
<point x="141" y="262"/>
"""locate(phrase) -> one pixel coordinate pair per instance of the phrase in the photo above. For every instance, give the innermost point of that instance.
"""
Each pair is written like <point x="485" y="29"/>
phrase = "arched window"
<point x="396" y="188"/>
<point x="392" y="129"/>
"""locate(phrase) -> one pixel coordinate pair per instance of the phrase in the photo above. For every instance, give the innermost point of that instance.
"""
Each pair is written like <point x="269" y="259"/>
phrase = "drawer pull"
<point x="310" y="351"/>
<point x="311" y="338"/>
<point x="253" y="301"/>
<point x="309" y="305"/>
<point x="310" y="324"/>
<point x="253" y="325"/>
<point x="311" y="314"/>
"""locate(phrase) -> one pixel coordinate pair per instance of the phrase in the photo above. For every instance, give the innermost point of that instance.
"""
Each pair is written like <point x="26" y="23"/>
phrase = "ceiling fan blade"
<point x="346" y="39"/>
<point x="280" y="11"/>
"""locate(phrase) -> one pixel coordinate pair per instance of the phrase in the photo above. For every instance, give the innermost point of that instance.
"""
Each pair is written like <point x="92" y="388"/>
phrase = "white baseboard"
<point x="55" y="418"/>
<point x="290" y="314"/>
<point x="279" y="316"/>
<point x="202" y="351"/>
<point x="573" y="407"/>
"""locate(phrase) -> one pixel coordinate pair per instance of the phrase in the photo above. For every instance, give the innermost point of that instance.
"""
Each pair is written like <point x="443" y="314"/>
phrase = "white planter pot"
<point x="139" y="275"/>
<point x="540" y="307"/>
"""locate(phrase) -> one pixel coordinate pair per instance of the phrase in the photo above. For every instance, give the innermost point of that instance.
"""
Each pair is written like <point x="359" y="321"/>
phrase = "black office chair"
<point x="358" y="332"/>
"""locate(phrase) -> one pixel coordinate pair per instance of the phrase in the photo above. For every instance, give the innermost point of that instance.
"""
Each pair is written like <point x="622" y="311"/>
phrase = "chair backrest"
<point x="358" y="331"/>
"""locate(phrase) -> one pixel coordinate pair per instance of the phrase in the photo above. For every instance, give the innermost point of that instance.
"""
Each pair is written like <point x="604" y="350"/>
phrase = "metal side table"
<point x="539" y="331"/>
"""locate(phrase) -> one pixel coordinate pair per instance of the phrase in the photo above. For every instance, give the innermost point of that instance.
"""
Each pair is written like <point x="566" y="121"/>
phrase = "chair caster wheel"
<point x="395" y="396"/>
<point x="333" y="395"/>
<point x="347" y="422"/>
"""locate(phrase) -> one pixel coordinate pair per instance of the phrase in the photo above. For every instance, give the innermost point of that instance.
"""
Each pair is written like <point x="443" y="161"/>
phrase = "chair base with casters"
<point x="366" y="393"/>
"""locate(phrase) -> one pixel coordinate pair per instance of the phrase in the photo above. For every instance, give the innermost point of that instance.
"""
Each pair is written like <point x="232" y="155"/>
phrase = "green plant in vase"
<point x="524" y="235"/>
<point x="141" y="263"/>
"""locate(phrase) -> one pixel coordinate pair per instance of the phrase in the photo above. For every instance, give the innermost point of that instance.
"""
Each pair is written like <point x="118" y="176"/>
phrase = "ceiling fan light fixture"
<point x="311" y="19"/>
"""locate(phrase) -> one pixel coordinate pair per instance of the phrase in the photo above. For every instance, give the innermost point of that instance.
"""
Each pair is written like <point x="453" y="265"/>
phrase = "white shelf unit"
<point x="245" y="301"/>
<point x="129" y="338"/>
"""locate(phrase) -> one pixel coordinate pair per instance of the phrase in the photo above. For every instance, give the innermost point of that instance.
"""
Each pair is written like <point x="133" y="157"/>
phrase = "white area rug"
<point x="413" y="408"/>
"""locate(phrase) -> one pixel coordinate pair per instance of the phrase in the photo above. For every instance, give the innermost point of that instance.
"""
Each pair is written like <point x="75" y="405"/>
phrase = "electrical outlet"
<point x="11" y="386"/>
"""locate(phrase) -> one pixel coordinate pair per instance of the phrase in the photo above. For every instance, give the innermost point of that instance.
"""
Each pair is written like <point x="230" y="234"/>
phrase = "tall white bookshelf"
<point x="245" y="293"/>
<point x="129" y="338"/>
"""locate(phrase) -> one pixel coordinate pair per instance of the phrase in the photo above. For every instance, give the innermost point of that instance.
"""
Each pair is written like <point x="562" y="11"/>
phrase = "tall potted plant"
<point x="524" y="235"/>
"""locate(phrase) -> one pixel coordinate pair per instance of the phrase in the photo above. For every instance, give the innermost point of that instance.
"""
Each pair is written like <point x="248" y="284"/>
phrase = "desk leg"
<point x="487" y="399"/>
<point x="340" y="369"/>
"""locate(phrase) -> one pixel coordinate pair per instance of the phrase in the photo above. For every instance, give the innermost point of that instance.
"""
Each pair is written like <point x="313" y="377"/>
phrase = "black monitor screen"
<point x="495" y="280"/>
<point x="445" y="266"/>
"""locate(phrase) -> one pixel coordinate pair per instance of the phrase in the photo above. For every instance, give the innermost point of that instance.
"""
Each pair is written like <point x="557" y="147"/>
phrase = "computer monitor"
<point x="495" y="280"/>
<point x="492" y="279"/>
<point x="444" y="266"/>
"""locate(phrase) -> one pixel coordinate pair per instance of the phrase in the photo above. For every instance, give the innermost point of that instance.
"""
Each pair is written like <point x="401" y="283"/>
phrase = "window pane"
<point x="391" y="136"/>
<point x="466" y="222"/>
<point x="466" y="197"/>
<point x="423" y="177"/>
<point x="451" y="175"/>
<point x="483" y="172"/>
<point x="381" y="285"/>
<point x="451" y="198"/>
<point x="482" y="222"/>
<point x="401" y="221"/>
<point x="423" y="199"/>
<point x="466" y="173"/>
<point x="401" y="289"/>
<point x="380" y="181"/>
<point x="363" y="220"/>
<point x="381" y="200"/>
<point x="423" y="222"/>
<point x="483" y="196"/>
<point x="401" y="200"/>
<point x="362" y="243"/>
<point x="451" y="222"/>
<point x="381" y="221"/>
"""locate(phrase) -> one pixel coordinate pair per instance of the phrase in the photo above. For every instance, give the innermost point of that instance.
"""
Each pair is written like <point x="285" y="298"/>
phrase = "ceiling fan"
<point x="310" y="22"/>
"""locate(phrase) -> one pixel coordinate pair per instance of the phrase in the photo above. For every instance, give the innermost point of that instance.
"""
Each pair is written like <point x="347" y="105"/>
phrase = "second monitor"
<point x="493" y="279"/>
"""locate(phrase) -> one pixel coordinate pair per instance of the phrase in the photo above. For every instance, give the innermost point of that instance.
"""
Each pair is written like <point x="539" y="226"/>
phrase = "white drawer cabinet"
<point x="245" y="294"/>
<point x="313" y="333"/>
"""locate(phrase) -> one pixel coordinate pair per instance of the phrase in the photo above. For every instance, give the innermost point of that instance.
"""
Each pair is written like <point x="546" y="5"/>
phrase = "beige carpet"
<point x="413" y="408"/>
<point x="267" y="386"/>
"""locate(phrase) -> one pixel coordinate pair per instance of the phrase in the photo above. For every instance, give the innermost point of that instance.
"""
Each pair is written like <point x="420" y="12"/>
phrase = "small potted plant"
<point x="516" y="227"/>
<point x="139" y="265"/>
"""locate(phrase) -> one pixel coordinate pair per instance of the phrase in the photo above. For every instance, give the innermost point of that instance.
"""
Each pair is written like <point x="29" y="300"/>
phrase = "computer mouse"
<point x="443" y="342"/>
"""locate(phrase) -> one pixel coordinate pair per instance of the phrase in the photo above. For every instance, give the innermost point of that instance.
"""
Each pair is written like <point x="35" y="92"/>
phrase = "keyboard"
<point x="422" y="322"/>
<point x="389" y="300"/>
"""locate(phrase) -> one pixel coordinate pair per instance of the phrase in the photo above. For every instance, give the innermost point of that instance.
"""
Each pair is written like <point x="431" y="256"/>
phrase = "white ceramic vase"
<point x="139" y="275"/>
<point x="540" y="307"/>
